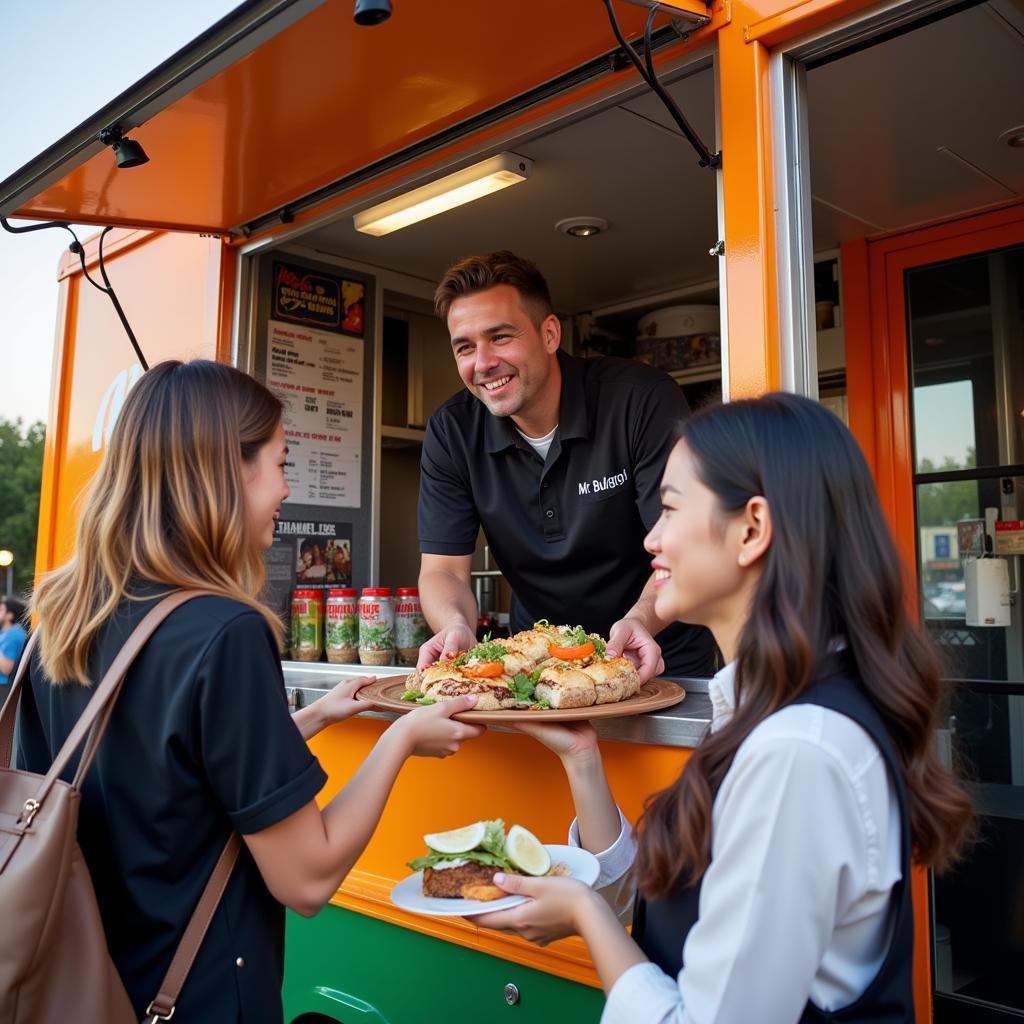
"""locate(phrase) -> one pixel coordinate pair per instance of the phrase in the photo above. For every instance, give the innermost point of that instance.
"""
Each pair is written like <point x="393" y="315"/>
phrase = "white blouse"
<point x="794" y="905"/>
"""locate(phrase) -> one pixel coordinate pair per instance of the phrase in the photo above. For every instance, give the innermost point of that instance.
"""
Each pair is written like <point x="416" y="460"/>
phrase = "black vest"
<point x="660" y="926"/>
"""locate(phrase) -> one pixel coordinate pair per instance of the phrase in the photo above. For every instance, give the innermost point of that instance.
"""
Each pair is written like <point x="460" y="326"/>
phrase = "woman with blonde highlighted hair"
<point x="200" y="741"/>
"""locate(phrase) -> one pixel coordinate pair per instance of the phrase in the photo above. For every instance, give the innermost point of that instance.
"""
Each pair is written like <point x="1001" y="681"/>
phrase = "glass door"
<point x="965" y="334"/>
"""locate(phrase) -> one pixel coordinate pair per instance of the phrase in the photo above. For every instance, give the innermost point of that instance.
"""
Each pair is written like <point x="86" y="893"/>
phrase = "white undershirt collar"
<point x="540" y="445"/>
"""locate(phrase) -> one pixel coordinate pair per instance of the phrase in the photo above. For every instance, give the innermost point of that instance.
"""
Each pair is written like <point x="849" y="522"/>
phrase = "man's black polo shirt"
<point x="567" y="532"/>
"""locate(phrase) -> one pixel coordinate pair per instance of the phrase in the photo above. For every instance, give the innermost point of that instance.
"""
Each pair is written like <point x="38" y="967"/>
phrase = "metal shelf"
<point x="401" y="437"/>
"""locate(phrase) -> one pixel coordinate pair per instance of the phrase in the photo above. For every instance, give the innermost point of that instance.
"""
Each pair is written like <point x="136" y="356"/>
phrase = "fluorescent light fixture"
<point x="446" y="193"/>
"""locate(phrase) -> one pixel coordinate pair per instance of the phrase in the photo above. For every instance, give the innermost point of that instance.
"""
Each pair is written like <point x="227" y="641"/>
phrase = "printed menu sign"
<point x="317" y="299"/>
<point x="319" y="379"/>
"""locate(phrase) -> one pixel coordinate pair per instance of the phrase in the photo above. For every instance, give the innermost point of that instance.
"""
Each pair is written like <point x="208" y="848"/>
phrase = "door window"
<point x="965" y="322"/>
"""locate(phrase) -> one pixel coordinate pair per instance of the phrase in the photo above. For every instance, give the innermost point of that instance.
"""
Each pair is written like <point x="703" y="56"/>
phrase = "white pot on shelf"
<point x="679" y="322"/>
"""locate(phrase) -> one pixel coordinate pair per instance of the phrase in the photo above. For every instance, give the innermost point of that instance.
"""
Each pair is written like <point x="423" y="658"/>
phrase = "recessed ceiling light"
<point x="582" y="227"/>
<point x="1013" y="137"/>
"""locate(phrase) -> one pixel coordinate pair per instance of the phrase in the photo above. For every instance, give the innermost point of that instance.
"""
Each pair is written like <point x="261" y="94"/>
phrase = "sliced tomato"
<point x="571" y="653"/>
<point x="485" y="670"/>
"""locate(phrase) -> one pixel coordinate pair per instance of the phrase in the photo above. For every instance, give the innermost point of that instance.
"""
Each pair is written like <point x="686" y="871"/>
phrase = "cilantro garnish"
<point x="523" y="685"/>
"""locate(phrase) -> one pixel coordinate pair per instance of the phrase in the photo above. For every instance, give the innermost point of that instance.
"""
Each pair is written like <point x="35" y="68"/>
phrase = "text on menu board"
<point x="318" y="378"/>
<point x="305" y="296"/>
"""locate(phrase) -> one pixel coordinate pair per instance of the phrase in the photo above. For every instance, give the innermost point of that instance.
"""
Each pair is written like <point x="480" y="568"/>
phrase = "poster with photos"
<point x="314" y="555"/>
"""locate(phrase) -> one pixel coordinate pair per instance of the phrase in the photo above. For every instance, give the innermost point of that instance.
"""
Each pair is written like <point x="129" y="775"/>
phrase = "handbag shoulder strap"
<point x="102" y="699"/>
<point x="162" y="1007"/>
<point x="105" y="694"/>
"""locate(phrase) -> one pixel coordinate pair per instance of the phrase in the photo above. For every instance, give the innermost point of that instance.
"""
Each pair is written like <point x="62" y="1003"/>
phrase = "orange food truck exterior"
<point x="861" y="241"/>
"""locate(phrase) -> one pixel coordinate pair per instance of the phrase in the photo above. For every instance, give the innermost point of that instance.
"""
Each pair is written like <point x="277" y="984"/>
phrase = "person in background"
<point x="200" y="742"/>
<point x="12" y="635"/>
<point x="558" y="459"/>
<point x="772" y="878"/>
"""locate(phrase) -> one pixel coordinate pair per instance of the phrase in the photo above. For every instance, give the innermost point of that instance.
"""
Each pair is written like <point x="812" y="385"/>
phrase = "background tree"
<point x="21" y="474"/>
<point x="944" y="504"/>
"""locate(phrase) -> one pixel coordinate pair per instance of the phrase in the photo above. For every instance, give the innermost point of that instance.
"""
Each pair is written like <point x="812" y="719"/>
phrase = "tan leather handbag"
<point x="54" y="964"/>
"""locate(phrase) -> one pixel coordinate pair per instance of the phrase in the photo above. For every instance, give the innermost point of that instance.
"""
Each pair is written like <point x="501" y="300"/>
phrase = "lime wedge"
<point x="526" y="852"/>
<point x="458" y="840"/>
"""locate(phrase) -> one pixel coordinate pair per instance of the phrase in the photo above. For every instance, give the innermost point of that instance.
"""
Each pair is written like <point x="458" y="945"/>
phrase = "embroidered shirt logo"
<point x="606" y="483"/>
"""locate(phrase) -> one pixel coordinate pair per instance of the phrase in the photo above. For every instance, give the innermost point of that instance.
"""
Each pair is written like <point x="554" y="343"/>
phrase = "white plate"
<point x="408" y="894"/>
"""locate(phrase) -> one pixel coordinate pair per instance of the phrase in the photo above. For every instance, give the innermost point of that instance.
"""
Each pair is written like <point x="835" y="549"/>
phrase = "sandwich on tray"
<point x="540" y="668"/>
<point x="462" y="863"/>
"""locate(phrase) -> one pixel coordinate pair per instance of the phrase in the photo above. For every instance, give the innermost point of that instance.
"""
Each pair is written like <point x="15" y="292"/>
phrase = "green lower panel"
<point x="341" y="966"/>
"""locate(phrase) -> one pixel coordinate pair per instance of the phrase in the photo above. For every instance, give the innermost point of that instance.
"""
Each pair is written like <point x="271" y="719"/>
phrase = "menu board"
<point x="318" y="377"/>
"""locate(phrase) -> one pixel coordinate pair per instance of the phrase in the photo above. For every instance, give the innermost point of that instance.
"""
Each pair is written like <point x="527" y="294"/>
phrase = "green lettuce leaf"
<point x="487" y="650"/>
<point x="491" y="851"/>
<point x="494" y="837"/>
<point x="576" y="636"/>
<point x="433" y="858"/>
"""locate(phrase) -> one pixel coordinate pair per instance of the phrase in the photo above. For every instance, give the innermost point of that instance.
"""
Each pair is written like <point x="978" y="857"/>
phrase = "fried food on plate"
<point x="462" y="863"/>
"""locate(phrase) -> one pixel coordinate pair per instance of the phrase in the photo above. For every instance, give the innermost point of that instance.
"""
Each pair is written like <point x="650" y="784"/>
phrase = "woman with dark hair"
<point x="200" y="743"/>
<point x="770" y="882"/>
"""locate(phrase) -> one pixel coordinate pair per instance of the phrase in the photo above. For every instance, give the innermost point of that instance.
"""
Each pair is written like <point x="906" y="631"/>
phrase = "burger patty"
<point x="449" y="884"/>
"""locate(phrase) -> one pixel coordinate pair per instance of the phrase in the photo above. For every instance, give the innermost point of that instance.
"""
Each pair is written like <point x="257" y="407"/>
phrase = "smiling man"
<point x="559" y="460"/>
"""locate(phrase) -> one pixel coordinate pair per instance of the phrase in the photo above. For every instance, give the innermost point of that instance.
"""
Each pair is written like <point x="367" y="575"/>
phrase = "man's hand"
<point x="451" y="639"/>
<point x="630" y="637"/>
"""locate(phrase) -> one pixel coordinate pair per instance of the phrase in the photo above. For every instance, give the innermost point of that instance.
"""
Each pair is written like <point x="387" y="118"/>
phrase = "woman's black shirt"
<point x="200" y="742"/>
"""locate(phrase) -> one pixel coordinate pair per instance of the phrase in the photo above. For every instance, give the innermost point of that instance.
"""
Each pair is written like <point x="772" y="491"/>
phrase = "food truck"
<point x="841" y="216"/>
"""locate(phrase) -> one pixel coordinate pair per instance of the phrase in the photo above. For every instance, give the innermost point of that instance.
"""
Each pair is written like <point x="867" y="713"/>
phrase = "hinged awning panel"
<point x="324" y="98"/>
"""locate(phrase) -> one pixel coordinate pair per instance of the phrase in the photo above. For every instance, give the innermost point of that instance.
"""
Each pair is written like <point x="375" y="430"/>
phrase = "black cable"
<point x="707" y="158"/>
<point x="648" y="56"/>
<point x="77" y="248"/>
<point x="113" y="298"/>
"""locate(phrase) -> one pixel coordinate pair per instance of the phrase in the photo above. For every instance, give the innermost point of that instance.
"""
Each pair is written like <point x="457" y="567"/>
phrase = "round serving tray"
<point x="654" y="694"/>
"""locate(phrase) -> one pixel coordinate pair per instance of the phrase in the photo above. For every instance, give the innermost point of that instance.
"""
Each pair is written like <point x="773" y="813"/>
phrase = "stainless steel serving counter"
<point x="680" y="726"/>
